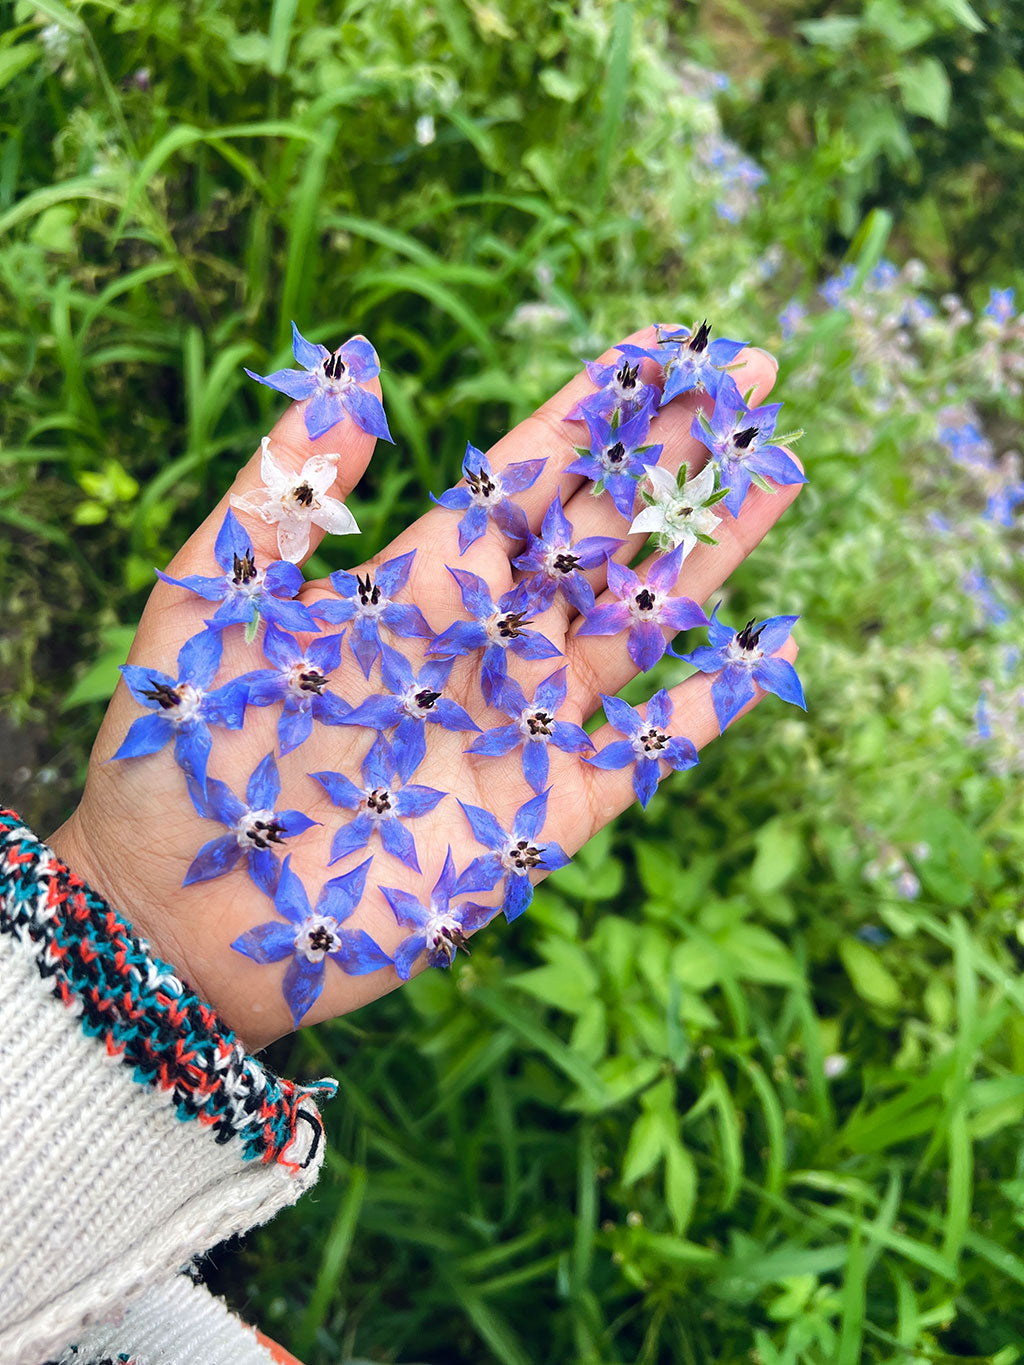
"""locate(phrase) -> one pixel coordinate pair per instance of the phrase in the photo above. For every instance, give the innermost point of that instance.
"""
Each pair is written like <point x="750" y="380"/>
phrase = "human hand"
<point x="136" y="833"/>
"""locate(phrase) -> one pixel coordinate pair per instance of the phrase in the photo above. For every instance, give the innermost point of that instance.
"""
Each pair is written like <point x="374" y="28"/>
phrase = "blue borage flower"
<point x="254" y="824"/>
<point x="645" y="608"/>
<point x="248" y="594"/>
<point x="1000" y="304"/>
<point x="647" y="744"/>
<point x="332" y="383"/>
<point x="551" y="562"/>
<point x="616" y="458"/>
<point x="415" y="701"/>
<point x="743" y="658"/>
<point x="486" y="494"/>
<point x="534" y="727"/>
<point x="299" y="678"/>
<point x="497" y="627"/>
<point x="184" y="708"/>
<point x="310" y="936"/>
<point x="619" y="389"/>
<point x="384" y="802"/>
<point x="513" y="856"/>
<point x="739" y="439"/>
<point x="440" y="928"/>
<point x="366" y="601"/>
<point x="689" y="359"/>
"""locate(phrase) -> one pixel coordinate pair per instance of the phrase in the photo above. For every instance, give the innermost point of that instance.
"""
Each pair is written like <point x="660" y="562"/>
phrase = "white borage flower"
<point x="678" y="510"/>
<point x="296" y="502"/>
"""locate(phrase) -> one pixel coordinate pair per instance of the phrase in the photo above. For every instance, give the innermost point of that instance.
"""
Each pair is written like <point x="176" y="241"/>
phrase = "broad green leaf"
<point x="779" y="851"/>
<point x="871" y="980"/>
<point x="926" y="90"/>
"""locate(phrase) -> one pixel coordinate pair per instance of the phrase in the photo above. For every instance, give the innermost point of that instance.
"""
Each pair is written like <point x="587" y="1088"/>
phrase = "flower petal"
<point x="359" y="953"/>
<point x="397" y="841"/>
<point x="730" y="692"/>
<point x="407" y="953"/>
<point x="485" y="827"/>
<point x="265" y="943"/>
<point x="536" y="764"/>
<point x="645" y="779"/>
<point x="415" y="800"/>
<point x="367" y="411"/>
<point x="340" y="896"/>
<point x="303" y="982"/>
<point x="213" y="860"/>
<point x="618" y="754"/>
<point x="779" y="676"/>
<point x="199" y="658"/>
<point x="264" y="785"/>
<point x="350" y="838"/>
<point x="294" y="728"/>
<point x="529" y="818"/>
<point x="147" y="735"/>
<point x="646" y="645"/>
<point x="501" y="740"/>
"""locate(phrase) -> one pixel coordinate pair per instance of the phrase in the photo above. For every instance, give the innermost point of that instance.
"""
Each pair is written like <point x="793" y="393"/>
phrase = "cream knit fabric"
<point x="176" y="1323"/>
<point x="115" y="1175"/>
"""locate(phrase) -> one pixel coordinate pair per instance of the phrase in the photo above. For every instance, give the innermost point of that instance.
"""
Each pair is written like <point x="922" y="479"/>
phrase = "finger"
<point x="597" y="516"/>
<point x="346" y="446"/>
<point x="601" y="663"/>
<point x="610" y="792"/>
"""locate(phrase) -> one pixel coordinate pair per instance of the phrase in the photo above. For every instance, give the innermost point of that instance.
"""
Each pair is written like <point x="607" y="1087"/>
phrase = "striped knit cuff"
<point x="137" y="1133"/>
<point x="140" y="1009"/>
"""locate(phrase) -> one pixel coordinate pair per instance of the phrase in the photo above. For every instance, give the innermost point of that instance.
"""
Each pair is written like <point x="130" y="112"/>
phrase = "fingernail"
<point x="759" y="350"/>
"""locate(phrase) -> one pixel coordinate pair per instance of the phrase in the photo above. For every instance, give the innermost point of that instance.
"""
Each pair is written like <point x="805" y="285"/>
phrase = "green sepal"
<point x="252" y="628"/>
<point x="762" y="482"/>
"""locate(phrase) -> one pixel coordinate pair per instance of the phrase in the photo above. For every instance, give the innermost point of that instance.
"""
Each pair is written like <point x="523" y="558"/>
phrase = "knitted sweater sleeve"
<point x="137" y="1133"/>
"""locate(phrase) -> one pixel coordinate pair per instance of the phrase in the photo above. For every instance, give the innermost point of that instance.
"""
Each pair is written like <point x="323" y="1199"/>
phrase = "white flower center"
<point x="188" y="707"/>
<point x="443" y="933"/>
<point x="536" y="723"/>
<point x="252" y="829"/>
<point x="379" y="803"/>
<point x="645" y="605"/>
<point x="649" y="742"/>
<point x="306" y="681"/>
<point x="419" y="701"/>
<point x="316" y="937"/>
<point x="736" y="654"/>
<point x="484" y="489"/>
<point x="520" y="856"/>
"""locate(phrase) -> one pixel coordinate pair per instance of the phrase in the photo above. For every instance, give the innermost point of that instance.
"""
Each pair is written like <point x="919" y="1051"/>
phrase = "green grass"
<point x="687" y="1110"/>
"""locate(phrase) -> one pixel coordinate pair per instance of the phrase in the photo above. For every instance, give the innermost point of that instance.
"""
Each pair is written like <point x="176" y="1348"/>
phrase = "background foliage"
<point x="746" y="1085"/>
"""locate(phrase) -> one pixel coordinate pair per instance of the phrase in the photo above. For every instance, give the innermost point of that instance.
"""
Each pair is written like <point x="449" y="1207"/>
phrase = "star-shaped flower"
<point x="678" y="510"/>
<point x="184" y="708"/>
<point x="514" y="854"/>
<point x="440" y="928"/>
<point x="299" y="678"/>
<point x="534" y="727"/>
<point x="496" y="628"/>
<point x="646" y="745"/>
<point x="616" y="458"/>
<point x="247" y="594"/>
<point x="414" y="702"/>
<point x="311" y="935"/>
<point x="297" y="502"/>
<point x="382" y="804"/>
<point x="691" y="361"/>
<point x="644" y="608"/>
<point x="739" y="439"/>
<point x="1000" y="304"/>
<point x="486" y="494"/>
<point x="333" y="385"/>
<point x="552" y="563"/>
<point x="254" y="824"/>
<point x="743" y="658"/>
<point x="619" y="389"/>
<point x="367" y="602"/>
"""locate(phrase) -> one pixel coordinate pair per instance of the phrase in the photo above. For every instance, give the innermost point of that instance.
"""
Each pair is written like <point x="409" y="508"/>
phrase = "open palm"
<point x="136" y="834"/>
